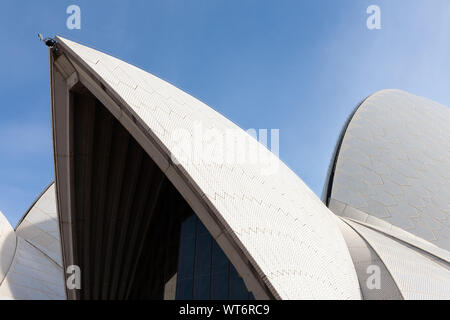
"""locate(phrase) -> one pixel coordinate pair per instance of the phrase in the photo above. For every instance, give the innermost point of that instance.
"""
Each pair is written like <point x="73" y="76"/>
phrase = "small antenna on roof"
<point x="49" y="42"/>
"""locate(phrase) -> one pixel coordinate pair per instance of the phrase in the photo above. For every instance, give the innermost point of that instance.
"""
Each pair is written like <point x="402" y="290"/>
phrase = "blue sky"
<point x="300" y="66"/>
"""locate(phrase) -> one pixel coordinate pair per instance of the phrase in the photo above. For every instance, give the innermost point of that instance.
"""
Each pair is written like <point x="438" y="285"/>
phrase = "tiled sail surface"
<point x="366" y="260"/>
<point x="40" y="226"/>
<point x="30" y="257"/>
<point x="287" y="233"/>
<point x="7" y="246"/>
<point x="394" y="164"/>
<point x="32" y="276"/>
<point x="416" y="276"/>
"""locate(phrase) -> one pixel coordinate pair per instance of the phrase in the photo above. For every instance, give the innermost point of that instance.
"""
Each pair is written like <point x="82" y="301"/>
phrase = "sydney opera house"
<point x="142" y="220"/>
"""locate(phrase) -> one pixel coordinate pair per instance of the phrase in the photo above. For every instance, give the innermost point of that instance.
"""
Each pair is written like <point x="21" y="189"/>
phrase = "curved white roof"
<point x="32" y="276"/>
<point x="393" y="167"/>
<point x="268" y="222"/>
<point x="7" y="246"/>
<point x="366" y="259"/>
<point x="416" y="276"/>
<point x="30" y="257"/>
<point x="40" y="226"/>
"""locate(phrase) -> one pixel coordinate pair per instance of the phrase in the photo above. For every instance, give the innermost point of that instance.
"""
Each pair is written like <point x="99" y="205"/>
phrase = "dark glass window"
<point x="219" y="277"/>
<point x="186" y="260"/>
<point x="204" y="271"/>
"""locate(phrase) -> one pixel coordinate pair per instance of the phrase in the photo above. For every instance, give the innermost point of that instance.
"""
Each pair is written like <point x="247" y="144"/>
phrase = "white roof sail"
<point x="393" y="167"/>
<point x="417" y="277"/>
<point x="40" y="226"/>
<point x="287" y="235"/>
<point x="7" y="246"/>
<point x="30" y="256"/>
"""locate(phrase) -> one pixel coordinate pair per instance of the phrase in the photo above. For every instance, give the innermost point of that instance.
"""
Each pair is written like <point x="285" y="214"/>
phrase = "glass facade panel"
<point x="219" y="286"/>
<point x="204" y="271"/>
<point x="184" y="289"/>
<point x="186" y="261"/>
